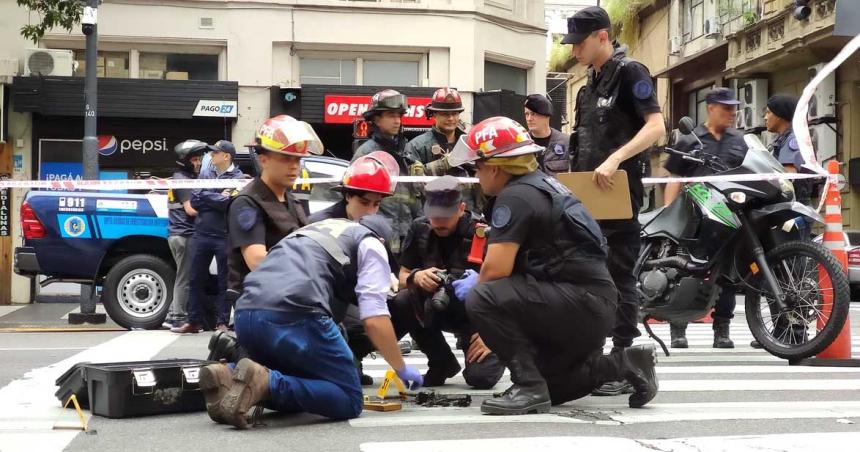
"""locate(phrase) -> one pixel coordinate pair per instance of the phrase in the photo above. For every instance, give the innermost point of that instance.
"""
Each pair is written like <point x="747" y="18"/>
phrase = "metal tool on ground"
<point x="430" y="399"/>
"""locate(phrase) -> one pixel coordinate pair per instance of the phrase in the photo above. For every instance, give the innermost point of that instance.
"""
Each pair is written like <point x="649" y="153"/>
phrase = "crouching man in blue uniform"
<point x="287" y="320"/>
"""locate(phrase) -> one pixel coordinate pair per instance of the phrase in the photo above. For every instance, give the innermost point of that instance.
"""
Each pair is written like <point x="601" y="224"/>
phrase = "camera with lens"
<point x="442" y="298"/>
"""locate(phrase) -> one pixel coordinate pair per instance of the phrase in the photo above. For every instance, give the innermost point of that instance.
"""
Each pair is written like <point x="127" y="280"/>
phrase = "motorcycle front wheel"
<point x="817" y="298"/>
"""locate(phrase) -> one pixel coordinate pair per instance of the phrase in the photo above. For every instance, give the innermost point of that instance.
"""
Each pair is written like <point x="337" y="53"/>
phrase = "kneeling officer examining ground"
<point x="544" y="301"/>
<point x="287" y="319"/>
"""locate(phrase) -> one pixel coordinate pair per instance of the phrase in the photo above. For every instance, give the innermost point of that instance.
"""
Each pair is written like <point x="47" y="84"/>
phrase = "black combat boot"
<point x="529" y="393"/>
<point x="223" y="346"/>
<point x="678" y="334"/>
<point x="614" y="387"/>
<point x="721" y="333"/>
<point x="366" y="380"/>
<point x="639" y="369"/>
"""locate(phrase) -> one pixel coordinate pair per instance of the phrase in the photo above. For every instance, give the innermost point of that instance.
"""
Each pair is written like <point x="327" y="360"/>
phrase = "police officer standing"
<point x="210" y="241"/>
<point x="443" y="242"/>
<point x="544" y="301"/>
<point x="433" y="146"/>
<point x="721" y="139"/>
<point x="385" y="113"/>
<point x="617" y="119"/>
<point x="299" y="362"/>
<point x="777" y="118"/>
<point x="265" y="211"/>
<point x="189" y="155"/>
<point x="555" y="158"/>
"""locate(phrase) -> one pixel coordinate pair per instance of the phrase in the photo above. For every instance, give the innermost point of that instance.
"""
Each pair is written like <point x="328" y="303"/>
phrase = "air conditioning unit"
<point x="8" y="70"/>
<point x="44" y="62"/>
<point x="823" y="141"/>
<point x="713" y="29"/>
<point x="675" y="45"/>
<point x="823" y="102"/>
<point x="753" y="97"/>
<point x="740" y="120"/>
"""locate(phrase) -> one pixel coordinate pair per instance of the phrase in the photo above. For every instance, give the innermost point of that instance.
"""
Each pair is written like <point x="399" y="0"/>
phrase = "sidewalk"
<point x="47" y="317"/>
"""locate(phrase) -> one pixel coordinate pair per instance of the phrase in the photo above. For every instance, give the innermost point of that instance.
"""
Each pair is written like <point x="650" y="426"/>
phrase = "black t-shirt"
<point x="731" y="149"/>
<point x="180" y="223"/>
<point x="544" y="142"/>
<point x="520" y="214"/>
<point x="638" y="93"/>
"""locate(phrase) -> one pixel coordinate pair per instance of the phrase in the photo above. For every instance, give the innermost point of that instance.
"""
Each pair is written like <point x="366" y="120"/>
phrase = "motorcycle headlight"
<point x="787" y="188"/>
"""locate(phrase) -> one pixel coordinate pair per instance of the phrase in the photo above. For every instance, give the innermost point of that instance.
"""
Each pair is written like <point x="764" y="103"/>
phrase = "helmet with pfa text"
<point x="495" y="137"/>
<point x="286" y="135"/>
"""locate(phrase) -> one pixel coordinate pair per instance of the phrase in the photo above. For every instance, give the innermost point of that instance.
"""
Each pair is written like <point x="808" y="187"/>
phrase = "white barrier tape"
<point x="799" y="122"/>
<point x="166" y="184"/>
<point x="731" y="178"/>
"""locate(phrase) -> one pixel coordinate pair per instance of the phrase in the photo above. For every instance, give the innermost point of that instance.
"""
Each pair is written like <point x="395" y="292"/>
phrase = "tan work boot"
<point x="215" y="382"/>
<point x="250" y="387"/>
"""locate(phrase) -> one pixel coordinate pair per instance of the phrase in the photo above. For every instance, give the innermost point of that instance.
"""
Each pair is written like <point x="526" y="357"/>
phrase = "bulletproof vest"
<point x="279" y="220"/>
<point x="575" y="249"/>
<point x="339" y="239"/>
<point x="601" y="127"/>
<point x="456" y="263"/>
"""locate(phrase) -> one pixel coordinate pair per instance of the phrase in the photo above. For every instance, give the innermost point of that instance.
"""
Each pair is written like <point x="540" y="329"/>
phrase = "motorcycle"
<point x="742" y="236"/>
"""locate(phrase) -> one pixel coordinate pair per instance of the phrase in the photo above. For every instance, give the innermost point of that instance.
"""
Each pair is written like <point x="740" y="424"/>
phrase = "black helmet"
<point x="386" y="100"/>
<point x="186" y="150"/>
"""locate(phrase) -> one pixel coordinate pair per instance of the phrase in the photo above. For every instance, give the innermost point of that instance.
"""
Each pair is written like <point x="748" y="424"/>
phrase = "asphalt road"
<point x="710" y="399"/>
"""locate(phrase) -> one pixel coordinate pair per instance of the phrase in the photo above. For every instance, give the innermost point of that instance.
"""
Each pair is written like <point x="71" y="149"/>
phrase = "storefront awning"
<point x="698" y="65"/>
<point x="127" y="98"/>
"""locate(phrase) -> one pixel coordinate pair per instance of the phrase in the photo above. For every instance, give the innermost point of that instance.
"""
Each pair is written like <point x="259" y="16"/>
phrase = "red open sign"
<point x="344" y="109"/>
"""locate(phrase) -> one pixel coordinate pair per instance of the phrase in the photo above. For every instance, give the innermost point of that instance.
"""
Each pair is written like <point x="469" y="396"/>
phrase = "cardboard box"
<point x="176" y="76"/>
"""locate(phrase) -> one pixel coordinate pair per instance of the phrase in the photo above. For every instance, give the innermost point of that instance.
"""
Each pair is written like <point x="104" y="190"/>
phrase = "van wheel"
<point x="138" y="290"/>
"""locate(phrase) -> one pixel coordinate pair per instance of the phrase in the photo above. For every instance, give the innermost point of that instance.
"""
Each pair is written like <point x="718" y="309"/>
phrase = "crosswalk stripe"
<point x="801" y="441"/>
<point x="443" y="416"/>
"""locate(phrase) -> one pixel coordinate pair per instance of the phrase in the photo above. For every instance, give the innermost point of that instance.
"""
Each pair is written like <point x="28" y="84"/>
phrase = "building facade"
<point x="217" y="69"/>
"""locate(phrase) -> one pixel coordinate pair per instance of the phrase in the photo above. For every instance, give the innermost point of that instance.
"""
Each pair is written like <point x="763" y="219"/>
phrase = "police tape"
<point x="191" y="184"/>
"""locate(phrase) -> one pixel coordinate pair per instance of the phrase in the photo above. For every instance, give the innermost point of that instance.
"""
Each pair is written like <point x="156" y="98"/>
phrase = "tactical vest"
<point x="279" y="219"/>
<point x="575" y="250"/>
<point x="601" y="127"/>
<point x="456" y="263"/>
<point x="313" y="270"/>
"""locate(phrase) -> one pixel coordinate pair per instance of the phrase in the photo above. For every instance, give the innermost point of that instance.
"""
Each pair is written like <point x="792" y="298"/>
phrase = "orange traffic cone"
<point x="834" y="240"/>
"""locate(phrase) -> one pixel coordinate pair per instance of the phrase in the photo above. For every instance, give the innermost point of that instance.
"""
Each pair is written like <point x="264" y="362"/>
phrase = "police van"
<point x="118" y="242"/>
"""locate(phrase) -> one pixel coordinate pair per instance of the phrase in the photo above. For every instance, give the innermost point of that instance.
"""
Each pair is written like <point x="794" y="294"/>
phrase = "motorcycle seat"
<point x="646" y="217"/>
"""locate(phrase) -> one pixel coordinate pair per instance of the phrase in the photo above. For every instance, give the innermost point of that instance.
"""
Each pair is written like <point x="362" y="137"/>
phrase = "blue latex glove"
<point x="411" y="377"/>
<point x="463" y="285"/>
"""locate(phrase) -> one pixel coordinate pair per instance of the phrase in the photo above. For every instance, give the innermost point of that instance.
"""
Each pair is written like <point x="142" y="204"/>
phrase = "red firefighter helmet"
<point x="493" y="138"/>
<point x="445" y="99"/>
<point x="371" y="173"/>
<point x="286" y="135"/>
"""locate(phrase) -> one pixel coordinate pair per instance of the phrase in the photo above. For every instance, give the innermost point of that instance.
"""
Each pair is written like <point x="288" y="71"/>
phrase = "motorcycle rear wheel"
<point x="817" y="297"/>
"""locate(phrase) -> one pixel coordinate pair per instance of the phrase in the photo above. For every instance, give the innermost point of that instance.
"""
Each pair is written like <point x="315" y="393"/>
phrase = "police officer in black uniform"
<point x="777" y="119"/>
<point x="721" y="139"/>
<point x="265" y="211"/>
<point x="446" y="240"/>
<point x="617" y="119"/>
<point x="555" y="158"/>
<point x="544" y="301"/>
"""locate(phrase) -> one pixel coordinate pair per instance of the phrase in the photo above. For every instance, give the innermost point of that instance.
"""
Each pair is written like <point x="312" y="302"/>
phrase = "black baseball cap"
<point x="585" y="22"/>
<point x="443" y="197"/>
<point x="223" y="146"/>
<point x="723" y="96"/>
<point x="539" y="104"/>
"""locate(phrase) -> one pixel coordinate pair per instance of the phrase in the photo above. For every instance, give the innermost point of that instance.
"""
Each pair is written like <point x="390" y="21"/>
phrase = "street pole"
<point x="89" y="21"/>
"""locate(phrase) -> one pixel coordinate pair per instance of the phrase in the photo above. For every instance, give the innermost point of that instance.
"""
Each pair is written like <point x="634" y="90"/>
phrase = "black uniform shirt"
<point x="637" y="92"/>
<point x="246" y="226"/>
<point x="180" y="223"/>
<point x="413" y="257"/>
<point x="731" y="149"/>
<point x="520" y="214"/>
